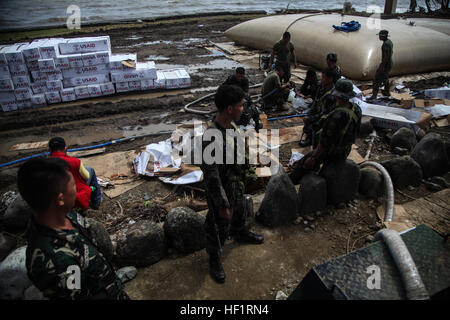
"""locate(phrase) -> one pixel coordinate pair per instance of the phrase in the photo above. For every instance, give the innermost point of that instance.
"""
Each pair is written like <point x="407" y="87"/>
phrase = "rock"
<point x="310" y="218"/>
<point x="440" y="181"/>
<point x="366" y="127"/>
<point x="7" y="244"/>
<point x="126" y="274"/>
<point x="404" y="171"/>
<point x="431" y="155"/>
<point x="33" y="293"/>
<point x="298" y="220"/>
<point x="371" y="182"/>
<point x="280" y="203"/>
<point x="101" y="238"/>
<point x="308" y="230"/>
<point x="410" y="188"/>
<point x="312" y="193"/>
<point x="400" y="151"/>
<point x="17" y="215"/>
<point x="143" y="245"/>
<point x="404" y="138"/>
<point x="342" y="180"/>
<point x="14" y="280"/>
<point x="281" y="296"/>
<point x="184" y="230"/>
<point x="432" y="186"/>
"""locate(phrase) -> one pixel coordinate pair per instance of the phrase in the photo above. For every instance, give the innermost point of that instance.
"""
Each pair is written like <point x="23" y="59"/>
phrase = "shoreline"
<point x="11" y="35"/>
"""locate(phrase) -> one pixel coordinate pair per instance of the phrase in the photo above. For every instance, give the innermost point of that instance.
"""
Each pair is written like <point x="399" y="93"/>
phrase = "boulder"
<point x="142" y="245"/>
<point x="404" y="138"/>
<point x="404" y="171"/>
<point x="312" y="193"/>
<point x="126" y="274"/>
<point x="184" y="230"/>
<point x="14" y="280"/>
<point x="101" y="238"/>
<point x="17" y="215"/>
<point x="431" y="155"/>
<point x="371" y="182"/>
<point x="7" y="244"/>
<point x="366" y="127"/>
<point x="342" y="180"/>
<point x="280" y="203"/>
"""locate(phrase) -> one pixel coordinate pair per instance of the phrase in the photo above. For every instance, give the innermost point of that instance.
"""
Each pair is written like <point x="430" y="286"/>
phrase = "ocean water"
<point x="18" y="14"/>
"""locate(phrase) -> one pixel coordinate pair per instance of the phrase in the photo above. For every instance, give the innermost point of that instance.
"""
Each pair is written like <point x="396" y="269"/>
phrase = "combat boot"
<point x="249" y="237"/>
<point x="305" y="143"/>
<point x="215" y="268"/>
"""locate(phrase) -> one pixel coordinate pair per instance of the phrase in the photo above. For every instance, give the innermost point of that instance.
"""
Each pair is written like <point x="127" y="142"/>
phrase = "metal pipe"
<point x="415" y="289"/>
<point x="389" y="189"/>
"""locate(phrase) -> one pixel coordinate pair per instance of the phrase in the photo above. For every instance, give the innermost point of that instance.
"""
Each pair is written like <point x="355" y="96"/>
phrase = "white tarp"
<point x="439" y="110"/>
<point x="441" y="93"/>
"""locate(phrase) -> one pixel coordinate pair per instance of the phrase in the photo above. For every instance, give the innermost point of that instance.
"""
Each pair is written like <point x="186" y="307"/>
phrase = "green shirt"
<point x="51" y="252"/>
<point x="271" y="82"/>
<point x="387" y="50"/>
<point x="283" y="51"/>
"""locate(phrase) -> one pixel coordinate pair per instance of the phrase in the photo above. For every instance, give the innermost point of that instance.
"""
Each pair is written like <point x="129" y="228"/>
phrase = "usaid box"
<point x="89" y="59"/>
<point x="134" y="85"/>
<point x="146" y="70"/>
<point x="86" y="80"/>
<point x="177" y="78"/>
<point x="94" y="90"/>
<point x="147" y="84"/>
<point x="107" y="88"/>
<point x="85" y="45"/>
<point x="81" y="92"/>
<point x="38" y="100"/>
<point x="3" y="61"/>
<point x="85" y="71"/>
<point x="13" y="54"/>
<point x="31" y="51"/>
<point x="33" y="65"/>
<point x="23" y="93"/>
<point x="21" y="82"/>
<point x="39" y="76"/>
<point x="160" y="81"/>
<point x="6" y="84"/>
<point x="17" y="70"/>
<point x="53" y="97"/>
<point x="61" y="62"/>
<point x="4" y="72"/>
<point x="122" y="87"/>
<point x="54" y="75"/>
<point x="143" y="71"/>
<point x="46" y="65"/>
<point x="48" y="49"/>
<point x="39" y="87"/>
<point x="54" y="85"/>
<point x="115" y="61"/>
<point x="75" y="60"/>
<point x="8" y="101"/>
<point x="24" y="104"/>
<point x="68" y="94"/>
<point x="102" y="57"/>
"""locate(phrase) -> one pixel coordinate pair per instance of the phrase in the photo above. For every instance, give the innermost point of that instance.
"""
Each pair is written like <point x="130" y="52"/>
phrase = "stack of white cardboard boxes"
<point x="57" y="70"/>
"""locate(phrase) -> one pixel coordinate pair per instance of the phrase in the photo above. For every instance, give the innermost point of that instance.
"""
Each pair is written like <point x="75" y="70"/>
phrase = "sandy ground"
<point x="253" y="272"/>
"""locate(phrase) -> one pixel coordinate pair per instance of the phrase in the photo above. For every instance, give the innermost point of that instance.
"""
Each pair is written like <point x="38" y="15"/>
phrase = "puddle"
<point x="130" y="131"/>
<point x="156" y="58"/>
<point x="193" y="40"/>
<point x="214" y="53"/>
<point x="216" y="64"/>
<point x="134" y="37"/>
<point x="203" y="89"/>
<point x="149" y="43"/>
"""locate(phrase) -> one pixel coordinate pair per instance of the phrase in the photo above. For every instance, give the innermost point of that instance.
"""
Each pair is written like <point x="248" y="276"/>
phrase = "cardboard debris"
<point x="422" y="103"/>
<point x="85" y="153"/>
<point x="400" y="221"/>
<point x="29" y="145"/>
<point x="406" y="100"/>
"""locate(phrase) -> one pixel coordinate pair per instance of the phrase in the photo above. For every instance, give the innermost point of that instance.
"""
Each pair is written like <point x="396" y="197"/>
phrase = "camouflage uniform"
<point x="225" y="187"/>
<point x="277" y="98"/>
<point x="382" y="77"/>
<point x="338" y="73"/>
<point x="337" y="135"/>
<point x="324" y="102"/>
<point x="50" y="252"/>
<point x="283" y="55"/>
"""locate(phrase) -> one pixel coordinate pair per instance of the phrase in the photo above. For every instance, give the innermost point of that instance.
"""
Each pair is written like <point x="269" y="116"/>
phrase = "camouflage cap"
<point x="343" y="88"/>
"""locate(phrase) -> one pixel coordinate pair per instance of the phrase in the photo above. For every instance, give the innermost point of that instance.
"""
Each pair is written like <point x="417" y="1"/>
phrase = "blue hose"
<point x="286" y="117"/>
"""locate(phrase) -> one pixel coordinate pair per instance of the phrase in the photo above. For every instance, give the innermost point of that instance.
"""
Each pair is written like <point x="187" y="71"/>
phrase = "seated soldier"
<point x="336" y="136"/>
<point x="324" y="102"/>
<point x="310" y="86"/>
<point x="88" y="189"/>
<point x="63" y="260"/>
<point x="331" y="63"/>
<point x="250" y="111"/>
<point x="274" y="94"/>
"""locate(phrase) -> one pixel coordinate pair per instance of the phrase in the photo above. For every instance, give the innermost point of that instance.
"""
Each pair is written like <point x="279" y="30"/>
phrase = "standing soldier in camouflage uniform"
<point x="226" y="183"/>
<point x="336" y="136"/>
<point x="382" y="74"/>
<point x="284" y="52"/>
<point x="59" y="239"/>
<point x="331" y="63"/>
<point x="324" y="102"/>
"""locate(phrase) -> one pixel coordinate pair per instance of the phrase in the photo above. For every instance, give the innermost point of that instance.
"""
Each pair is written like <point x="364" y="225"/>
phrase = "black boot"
<point x="215" y="268"/>
<point x="305" y="143"/>
<point x="249" y="237"/>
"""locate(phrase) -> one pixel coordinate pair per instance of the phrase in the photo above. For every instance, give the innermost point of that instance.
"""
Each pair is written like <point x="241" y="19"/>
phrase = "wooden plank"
<point x="85" y="153"/>
<point x="29" y="145"/>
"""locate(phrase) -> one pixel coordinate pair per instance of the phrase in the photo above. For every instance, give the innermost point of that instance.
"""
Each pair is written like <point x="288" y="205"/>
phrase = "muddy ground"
<point x="254" y="272"/>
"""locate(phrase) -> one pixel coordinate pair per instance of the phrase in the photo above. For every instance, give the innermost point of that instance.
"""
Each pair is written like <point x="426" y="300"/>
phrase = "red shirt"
<point x="83" y="190"/>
